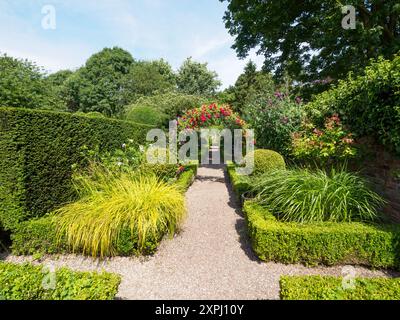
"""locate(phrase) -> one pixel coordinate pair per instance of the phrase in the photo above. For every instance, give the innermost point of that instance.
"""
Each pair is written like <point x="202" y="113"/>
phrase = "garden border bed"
<point x="331" y="288"/>
<point x="25" y="282"/>
<point x="322" y="243"/>
<point x="39" y="236"/>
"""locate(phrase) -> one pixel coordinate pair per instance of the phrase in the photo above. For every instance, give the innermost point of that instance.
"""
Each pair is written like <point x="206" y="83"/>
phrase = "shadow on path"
<point x="240" y="226"/>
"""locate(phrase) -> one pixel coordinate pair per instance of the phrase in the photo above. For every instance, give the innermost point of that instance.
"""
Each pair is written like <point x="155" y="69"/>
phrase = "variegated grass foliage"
<point x="110" y="203"/>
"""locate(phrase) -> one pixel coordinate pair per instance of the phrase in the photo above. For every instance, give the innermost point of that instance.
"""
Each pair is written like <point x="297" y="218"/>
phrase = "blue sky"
<point x="148" y="29"/>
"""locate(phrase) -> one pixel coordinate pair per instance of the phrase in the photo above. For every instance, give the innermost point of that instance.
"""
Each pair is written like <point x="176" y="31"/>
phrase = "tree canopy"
<point x="147" y="77"/>
<point x="306" y="38"/>
<point x="97" y="86"/>
<point x="195" y="78"/>
<point x="23" y="84"/>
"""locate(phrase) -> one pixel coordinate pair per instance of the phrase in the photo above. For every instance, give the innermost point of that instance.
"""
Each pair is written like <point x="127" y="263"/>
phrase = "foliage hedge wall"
<point x="369" y="103"/>
<point x="37" y="151"/>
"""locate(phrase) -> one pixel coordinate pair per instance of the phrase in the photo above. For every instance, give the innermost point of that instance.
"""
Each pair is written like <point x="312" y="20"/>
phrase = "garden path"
<point x="211" y="258"/>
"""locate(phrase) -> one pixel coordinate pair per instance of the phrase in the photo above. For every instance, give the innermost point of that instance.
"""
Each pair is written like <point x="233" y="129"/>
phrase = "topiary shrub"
<point x="266" y="160"/>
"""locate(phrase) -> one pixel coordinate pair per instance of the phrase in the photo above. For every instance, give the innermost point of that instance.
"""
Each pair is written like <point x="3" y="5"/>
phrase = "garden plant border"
<point x="314" y="244"/>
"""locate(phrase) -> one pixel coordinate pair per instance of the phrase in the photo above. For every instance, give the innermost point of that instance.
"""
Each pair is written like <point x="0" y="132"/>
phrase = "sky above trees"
<point x="149" y="29"/>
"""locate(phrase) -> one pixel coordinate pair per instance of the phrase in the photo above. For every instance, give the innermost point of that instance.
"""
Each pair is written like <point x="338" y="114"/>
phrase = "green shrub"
<point x="368" y="103"/>
<point x="146" y="206"/>
<point x="37" y="151"/>
<point x="266" y="160"/>
<point x="25" y="282"/>
<point x="147" y="115"/>
<point x="305" y="196"/>
<point x="331" y="145"/>
<point x="331" y="288"/>
<point x="274" y="121"/>
<point x="326" y="243"/>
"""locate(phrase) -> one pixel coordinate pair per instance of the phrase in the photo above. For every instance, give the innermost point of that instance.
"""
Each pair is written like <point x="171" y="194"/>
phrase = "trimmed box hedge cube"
<point x="331" y="288"/>
<point x="37" y="151"/>
<point x="322" y="243"/>
<point x="25" y="282"/>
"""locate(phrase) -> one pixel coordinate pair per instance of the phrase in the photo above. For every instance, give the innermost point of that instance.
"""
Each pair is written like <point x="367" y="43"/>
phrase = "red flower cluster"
<point x="208" y="116"/>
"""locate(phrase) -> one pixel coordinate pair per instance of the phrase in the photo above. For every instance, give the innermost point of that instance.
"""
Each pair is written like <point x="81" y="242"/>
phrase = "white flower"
<point x="141" y="148"/>
<point x="119" y="164"/>
<point x="123" y="145"/>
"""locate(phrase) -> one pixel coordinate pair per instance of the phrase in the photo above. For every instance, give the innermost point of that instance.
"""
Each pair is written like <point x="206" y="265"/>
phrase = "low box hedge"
<point x="240" y="184"/>
<point x="39" y="235"/>
<point x="322" y="243"/>
<point x="37" y="151"/>
<point x="25" y="282"/>
<point x="331" y="288"/>
<point x="187" y="177"/>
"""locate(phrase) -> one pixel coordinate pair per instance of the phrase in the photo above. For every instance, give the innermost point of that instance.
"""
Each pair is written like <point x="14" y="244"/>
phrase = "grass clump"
<point x="111" y="204"/>
<point x="304" y="196"/>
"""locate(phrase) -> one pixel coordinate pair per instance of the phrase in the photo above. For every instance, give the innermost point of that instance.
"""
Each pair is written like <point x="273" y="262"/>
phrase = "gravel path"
<point x="210" y="259"/>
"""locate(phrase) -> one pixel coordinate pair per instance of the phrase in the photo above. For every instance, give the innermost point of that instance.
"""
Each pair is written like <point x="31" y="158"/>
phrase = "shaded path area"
<point x="211" y="258"/>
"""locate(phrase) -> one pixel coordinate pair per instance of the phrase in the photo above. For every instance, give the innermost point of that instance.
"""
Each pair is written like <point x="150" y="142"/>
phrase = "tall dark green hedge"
<point x="37" y="151"/>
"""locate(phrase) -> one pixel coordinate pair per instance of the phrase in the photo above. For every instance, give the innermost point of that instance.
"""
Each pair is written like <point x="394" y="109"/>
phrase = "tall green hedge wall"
<point x="37" y="150"/>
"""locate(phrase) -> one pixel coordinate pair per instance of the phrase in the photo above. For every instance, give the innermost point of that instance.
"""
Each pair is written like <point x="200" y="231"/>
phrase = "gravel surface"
<point x="211" y="258"/>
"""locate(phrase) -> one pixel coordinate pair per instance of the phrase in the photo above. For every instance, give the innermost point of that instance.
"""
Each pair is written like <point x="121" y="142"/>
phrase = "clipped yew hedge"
<point x="326" y="243"/>
<point x="37" y="151"/>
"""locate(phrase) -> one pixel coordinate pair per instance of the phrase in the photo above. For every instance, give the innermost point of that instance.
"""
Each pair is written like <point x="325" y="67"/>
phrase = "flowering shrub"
<point x="332" y="143"/>
<point x="211" y="116"/>
<point x="274" y="120"/>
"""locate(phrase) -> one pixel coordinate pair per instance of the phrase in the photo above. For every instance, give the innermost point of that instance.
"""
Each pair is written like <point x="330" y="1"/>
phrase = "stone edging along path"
<point x="210" y="259"/>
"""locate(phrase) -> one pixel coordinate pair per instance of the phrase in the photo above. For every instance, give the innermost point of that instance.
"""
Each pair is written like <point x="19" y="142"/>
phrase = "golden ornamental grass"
<point x="110" y="204"/>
